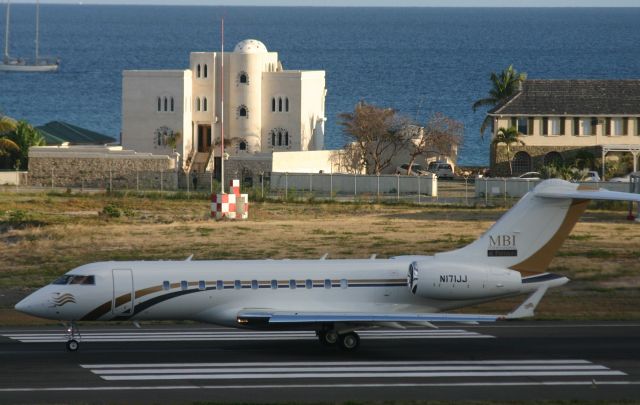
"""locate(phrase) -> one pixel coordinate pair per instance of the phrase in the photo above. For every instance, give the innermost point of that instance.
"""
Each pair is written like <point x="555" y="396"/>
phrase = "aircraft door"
<point x="122" y="303"/>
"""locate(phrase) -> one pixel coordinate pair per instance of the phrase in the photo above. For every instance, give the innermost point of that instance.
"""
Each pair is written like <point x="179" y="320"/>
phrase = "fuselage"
<point x="214" y="291"/>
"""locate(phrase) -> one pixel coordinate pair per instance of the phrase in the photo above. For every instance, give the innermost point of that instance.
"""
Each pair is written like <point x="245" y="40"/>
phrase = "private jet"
<point x="334" y="297"/>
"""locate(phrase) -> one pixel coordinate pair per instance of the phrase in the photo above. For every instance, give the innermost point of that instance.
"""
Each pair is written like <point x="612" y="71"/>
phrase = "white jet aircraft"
<point x="334" y="297"/>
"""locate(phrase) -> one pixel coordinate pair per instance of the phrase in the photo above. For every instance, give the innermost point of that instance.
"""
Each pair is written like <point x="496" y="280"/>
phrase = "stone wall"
<point x="100" y="167"/>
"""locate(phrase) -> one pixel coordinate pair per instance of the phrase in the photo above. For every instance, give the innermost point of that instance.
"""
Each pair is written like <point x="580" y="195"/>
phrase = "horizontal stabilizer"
<point x="582" y="192"/>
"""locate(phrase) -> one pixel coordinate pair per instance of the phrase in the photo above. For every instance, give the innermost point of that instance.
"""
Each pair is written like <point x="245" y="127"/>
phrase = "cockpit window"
<point x="75" y="279"/>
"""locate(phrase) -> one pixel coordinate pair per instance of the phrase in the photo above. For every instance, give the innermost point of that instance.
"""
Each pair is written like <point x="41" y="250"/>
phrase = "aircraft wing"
<point x="274" y="317"/>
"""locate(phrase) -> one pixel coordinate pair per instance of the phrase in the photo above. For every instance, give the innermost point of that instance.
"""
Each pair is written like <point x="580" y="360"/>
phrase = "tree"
<point x="6" y="125"/>
<point x="508" y="137"/>
<point x="437" y="137"/>
<point x="376" y="135"/>
<point x="503" y="86"/>
<point x="25" y="136"/>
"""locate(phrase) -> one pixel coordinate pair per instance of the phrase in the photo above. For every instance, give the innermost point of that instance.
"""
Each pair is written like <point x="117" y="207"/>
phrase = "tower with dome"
<point x="266" y="108"/>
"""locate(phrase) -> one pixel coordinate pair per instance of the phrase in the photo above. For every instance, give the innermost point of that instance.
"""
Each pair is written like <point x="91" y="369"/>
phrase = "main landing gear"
<point x="348" y="341"/>
<point x="73" y="337"/>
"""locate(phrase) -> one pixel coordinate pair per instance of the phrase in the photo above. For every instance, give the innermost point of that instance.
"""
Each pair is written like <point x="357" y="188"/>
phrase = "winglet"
<point x="527" y="308"/>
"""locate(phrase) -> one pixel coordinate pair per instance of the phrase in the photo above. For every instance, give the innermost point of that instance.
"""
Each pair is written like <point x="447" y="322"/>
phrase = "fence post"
<point x="331" y="186"/>
<point x="419" y="179"/>
<point x="110" y="180"/>
<point x="466" y="191"/>
<point x="486" y="191"/>
<point x="161" y="180"/>
<point x="355" y="185"/>
<point x="378" y="186"/>
<point x="262" y="184"/>
<point x="311" y="182"/>
<point x="505" y="192"/>
<point x="187" y="180"/>
<point x="52" y="178"/>
<point x="286" y="185"/>
<point x="397" y="187"/>
<point x="137" y="180"/>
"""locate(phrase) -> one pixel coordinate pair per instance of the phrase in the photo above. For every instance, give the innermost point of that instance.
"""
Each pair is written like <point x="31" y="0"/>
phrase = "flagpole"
<point x="222" y="108"/>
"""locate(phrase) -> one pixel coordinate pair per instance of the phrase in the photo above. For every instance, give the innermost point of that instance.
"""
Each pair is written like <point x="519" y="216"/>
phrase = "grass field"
<point x="44" y="235"/>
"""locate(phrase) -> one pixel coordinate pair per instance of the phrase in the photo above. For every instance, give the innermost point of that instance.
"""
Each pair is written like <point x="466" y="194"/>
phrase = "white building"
<point x="266" y="108"/>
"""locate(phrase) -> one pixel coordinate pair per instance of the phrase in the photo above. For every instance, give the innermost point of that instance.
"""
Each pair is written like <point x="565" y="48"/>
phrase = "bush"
<point x="111" y="211"/>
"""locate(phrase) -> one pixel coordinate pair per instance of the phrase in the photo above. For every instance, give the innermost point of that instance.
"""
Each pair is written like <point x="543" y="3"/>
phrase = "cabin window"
<point x="166" y="285"/>
<point x="344" y="283"/>
<point x="184" y="285"/>
<point x="219" y="285"/>
<point x="292" y="284"/>
<point x="202" y="285"/>
<point x="75" y="279"/>
<point x="254" y="284"/>
<point x="327" y="283"/>
<point x="274" y="284"/>
<point x="237" y="284"/>
<point x="308" y="284"/>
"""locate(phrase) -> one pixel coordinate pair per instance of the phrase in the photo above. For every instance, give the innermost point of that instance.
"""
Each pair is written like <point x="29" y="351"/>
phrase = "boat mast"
<point x="6" y="32"/>
<point x="37" y="28"/>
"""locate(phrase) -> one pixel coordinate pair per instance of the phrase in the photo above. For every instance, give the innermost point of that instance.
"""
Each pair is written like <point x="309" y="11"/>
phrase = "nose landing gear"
<point x="73" y="337"/>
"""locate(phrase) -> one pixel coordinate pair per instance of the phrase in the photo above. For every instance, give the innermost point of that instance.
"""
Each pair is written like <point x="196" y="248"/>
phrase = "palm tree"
<point x="508" y="137"/>
<point x="25" y="136"/>
<point x="6" y="125"/>
<point x="504" y="86"/>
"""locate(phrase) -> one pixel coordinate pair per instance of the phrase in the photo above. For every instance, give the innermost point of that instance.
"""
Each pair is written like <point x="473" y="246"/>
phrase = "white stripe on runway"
<point x="143" y="336"/>
<point x="331" y="386"/>
<point x="349" y="370"/>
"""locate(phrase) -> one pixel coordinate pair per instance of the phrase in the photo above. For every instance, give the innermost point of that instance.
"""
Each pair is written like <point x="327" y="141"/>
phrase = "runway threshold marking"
<point x="350" y="370"/>
<point x="143" y="336"/>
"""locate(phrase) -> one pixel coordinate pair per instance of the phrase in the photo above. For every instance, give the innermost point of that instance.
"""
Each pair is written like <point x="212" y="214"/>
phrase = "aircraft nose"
<point x="23" y="305"/>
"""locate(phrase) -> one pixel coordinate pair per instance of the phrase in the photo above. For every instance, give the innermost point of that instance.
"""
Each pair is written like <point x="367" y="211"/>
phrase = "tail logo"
<point x="59" y="300"/>
<point x="502" y="246"/>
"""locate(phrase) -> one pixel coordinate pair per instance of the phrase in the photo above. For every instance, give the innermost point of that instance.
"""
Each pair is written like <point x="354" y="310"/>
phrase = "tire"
<point x="73" y="345"/>
<point x="328" y="337"/>
<point x="349" y="341"/>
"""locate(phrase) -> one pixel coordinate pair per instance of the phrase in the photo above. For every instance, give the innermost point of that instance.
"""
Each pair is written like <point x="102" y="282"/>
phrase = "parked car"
<point x="530" y="176"/>
<point x="441" y="169"/>
<point x="623" y="179"/>
<point x="416" y="170"/>
<point x="592" y="175"/>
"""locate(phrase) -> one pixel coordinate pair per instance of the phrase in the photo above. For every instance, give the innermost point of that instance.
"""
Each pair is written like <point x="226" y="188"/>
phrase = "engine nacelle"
<point x="453" y="281"/>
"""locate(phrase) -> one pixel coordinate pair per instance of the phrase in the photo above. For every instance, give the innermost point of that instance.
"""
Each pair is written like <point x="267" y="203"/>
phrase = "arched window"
<point x="243" y="145"/>
<point x="197" y="103"/>
<point x="165" y="104"/>
<point x="279" y="138"/>
<point x="198" y="70"/>
<point x="553" y="159"/>
<point x="243" y="111"/>
<point x="206" y="71"/>
<point x="286" y="104"/>
<point x="243" y="78"/>
<point x="280" y="104"/>
<point x="521" y="163"/>
<point x="204" y="104"/>
<point x="172" y="104"/>
<point x="273" y="104"/>
<point x="286" y="138"/>
<point x="273" y="139"/>
<point x="159" y="104"/>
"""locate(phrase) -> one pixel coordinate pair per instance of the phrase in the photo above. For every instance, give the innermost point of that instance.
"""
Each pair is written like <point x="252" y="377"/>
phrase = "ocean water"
<point x="416" y="60"/>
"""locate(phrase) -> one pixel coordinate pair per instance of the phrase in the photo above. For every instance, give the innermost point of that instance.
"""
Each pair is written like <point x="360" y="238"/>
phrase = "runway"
<point x="507" y="361"/>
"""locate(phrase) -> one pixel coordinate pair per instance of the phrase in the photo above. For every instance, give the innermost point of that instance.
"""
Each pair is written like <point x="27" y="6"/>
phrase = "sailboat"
<point x="39" y="64"/>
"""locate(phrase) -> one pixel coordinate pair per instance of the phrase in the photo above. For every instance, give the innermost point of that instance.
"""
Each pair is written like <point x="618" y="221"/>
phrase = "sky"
<point x="365" y="3"/>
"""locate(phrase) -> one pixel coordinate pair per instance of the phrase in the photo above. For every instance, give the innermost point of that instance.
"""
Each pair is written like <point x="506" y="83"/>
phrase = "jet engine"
<point x="453" y="281"/>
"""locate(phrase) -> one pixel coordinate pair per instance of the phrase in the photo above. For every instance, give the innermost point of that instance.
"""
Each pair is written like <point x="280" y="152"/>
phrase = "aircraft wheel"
<point x="328" y="337"/>
<point x="349" y="341"/>
<point x="72" y="345"/>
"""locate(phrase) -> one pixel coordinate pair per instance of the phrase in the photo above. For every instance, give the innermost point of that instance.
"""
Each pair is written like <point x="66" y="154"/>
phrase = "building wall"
<point x="141" y="118"/>
<point x="325" y="161"/>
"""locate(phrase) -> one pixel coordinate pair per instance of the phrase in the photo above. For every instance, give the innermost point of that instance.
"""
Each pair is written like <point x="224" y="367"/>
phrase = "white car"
<point x="530" y="176"/>
<point x="623" y="179"/>
<point x="416" y="170"/>
<point x="441" y="169"/>
<point x="592" y="175"/>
